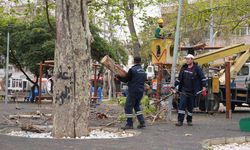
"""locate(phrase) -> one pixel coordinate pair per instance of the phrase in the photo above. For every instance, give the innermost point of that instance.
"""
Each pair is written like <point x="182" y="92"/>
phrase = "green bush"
<point x="122" y="101"/>
<point x="145" y="101"/>
<point x="145" y="104"/>
<point x="147" y="108"/>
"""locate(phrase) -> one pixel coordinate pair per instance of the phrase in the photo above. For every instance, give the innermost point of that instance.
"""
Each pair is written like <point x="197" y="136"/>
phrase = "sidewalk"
<point x="160" y="136"/>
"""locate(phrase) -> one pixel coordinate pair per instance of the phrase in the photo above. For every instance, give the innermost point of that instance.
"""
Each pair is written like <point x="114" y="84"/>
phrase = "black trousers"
<point x="133" y="102"/>
<point x="186" y="103"/>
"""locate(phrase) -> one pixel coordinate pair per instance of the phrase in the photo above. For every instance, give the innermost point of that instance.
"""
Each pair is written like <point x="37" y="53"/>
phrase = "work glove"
<point x="173" y="89"/>
<point x="204" y="92"/>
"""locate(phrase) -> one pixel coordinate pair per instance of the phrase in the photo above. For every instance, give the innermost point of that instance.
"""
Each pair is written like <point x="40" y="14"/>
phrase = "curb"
<point x="224" y="140"/>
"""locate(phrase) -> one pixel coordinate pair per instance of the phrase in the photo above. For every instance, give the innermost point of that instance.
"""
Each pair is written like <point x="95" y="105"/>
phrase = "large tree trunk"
<point x="72" y="69"/>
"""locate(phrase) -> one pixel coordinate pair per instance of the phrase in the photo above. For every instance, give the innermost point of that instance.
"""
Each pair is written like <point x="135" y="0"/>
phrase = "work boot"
<point x="179" y="123"/>
<point x="127" y="127"/>
<point x="141" y="125"/>
<point x="189" y="124"/>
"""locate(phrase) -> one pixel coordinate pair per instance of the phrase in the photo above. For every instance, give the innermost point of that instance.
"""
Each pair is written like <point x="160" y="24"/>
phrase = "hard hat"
<point x="160" y="20"/>
<point x="190" y="56"/>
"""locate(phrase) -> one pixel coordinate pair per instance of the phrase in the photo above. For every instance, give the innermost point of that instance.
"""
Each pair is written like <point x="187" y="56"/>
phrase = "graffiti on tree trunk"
<point x="62" y="75"/>
<point x="65" y="94"/>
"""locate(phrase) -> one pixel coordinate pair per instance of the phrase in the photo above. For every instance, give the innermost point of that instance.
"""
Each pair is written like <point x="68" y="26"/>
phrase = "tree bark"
<point x="47" y="15"/>
<point x="72" y="69"/>
<point x="129" y="7"/>
<point x="105" y="84"/>
<point x="113" y="85"/>
<point x="110" y="85"/>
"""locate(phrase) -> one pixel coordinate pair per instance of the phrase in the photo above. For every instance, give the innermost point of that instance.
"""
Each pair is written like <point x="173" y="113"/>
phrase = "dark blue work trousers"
<point x="186" y="103"/>
<point x="133" y="102"/>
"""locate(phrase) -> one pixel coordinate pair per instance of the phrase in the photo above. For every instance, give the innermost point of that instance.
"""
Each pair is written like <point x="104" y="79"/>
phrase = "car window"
<point x="244" y="71"/>
<point x="149" y="69"/>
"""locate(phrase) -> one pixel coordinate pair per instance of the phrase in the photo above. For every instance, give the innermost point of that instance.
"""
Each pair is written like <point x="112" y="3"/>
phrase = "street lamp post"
<point x="211" y="26"/>
<point x="176" y="46"/>
<point x="7" y="67"/>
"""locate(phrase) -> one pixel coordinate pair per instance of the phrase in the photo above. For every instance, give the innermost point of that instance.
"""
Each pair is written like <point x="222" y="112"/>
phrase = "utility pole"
<point x="228" y="90"/>
<point x="7" y="67"/>
<point x="110" y="84"/>
<point x="176" y="46"/>
<point x="211" y="26"/>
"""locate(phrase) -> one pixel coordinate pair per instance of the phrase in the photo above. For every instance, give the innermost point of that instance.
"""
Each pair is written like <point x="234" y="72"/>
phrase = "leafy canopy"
<point x="33" y="42"/>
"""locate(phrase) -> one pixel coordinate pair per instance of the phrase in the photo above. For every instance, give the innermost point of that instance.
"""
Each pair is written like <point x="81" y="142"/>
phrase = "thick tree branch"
<point x="47" y="14"/>
<point x="240" y="21"/>
<point x="19" y="66"/>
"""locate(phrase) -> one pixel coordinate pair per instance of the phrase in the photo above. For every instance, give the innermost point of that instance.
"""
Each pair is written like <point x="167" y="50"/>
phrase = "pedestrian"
<point x="191" y="81"/>
<point x="99" y="93"/>
<point x="158" y="30"/>
<point x="135" y="78"/>
<point x="92" y="90"/>
<point x="154" y="86"/>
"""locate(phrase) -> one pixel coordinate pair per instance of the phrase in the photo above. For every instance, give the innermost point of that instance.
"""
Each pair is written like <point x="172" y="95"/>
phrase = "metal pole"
<point x="228" y="91"/>
<point x="210" y="96"/>
<point x="7" y="67"/>
<point x="40" y="84"/>
<point x="211" y="27"/>
<point x="110" y="84"/>
<point x="95" y="81"/>
<point x="176" y="45"/>
<point x="159" y="84"/>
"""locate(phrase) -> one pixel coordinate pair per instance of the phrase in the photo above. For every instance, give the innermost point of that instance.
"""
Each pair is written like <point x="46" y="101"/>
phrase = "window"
<point x="17" y="83"/>
<point x="20" y="83"/>
<point x="10" y="67"/>
<point x="9" y="83"/>
<point x="244" y="71"/>
<point x="150" y="69"/>
<point x="24" y="85"/>
<point x="158" y="50"/>
<point x="13" y="83"/>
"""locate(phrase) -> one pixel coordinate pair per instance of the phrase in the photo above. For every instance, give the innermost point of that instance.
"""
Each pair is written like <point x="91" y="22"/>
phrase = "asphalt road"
<point x="161" y="136"/>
